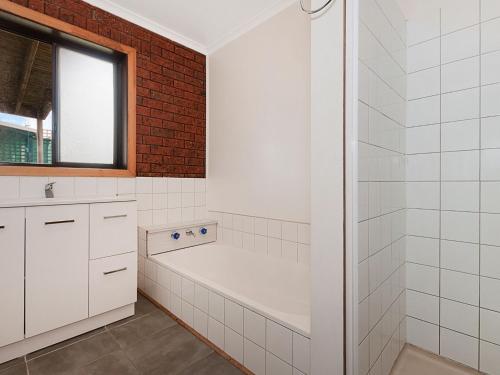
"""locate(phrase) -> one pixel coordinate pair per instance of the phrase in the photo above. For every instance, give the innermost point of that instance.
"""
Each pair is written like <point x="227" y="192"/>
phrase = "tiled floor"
<point x="150" y="342"/>
<point x="413" y="361"/>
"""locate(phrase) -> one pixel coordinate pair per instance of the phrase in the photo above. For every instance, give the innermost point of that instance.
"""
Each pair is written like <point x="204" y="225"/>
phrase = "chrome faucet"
<point x="49" y="192"/>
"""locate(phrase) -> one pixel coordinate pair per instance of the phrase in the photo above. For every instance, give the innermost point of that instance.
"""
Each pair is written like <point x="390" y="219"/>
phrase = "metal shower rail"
<point x="314" y="11"/>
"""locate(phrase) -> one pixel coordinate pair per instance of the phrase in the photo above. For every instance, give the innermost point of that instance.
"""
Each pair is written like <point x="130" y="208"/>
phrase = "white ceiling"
<point x="203" y="25"/>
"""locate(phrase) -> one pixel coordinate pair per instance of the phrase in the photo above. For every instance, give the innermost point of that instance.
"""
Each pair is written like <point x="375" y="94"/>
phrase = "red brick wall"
<point x="170" y="90"/>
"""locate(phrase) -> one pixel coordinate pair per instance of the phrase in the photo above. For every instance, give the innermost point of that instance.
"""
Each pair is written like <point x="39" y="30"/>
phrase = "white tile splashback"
<point x="160" y="200"/>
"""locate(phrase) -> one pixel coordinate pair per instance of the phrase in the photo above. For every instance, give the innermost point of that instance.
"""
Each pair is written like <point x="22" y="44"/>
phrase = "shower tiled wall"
<point x="381" y="184"/>
<point x="453" y="188"/>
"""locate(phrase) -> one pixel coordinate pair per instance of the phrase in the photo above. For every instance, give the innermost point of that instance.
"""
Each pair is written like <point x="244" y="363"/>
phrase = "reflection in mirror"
<point x="25" y="100"/>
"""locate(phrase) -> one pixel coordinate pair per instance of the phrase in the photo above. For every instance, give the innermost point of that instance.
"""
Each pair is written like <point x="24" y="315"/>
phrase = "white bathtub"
<point x="245" y="303"/>
<point x="272" y="287"/>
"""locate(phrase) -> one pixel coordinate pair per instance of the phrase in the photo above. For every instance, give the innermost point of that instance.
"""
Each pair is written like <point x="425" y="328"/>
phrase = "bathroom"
<point x="260" y="187"/>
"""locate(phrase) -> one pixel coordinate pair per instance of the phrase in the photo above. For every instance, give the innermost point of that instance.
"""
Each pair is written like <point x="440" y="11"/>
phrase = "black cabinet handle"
<point x="59" y="222"/>
<point x="115" y="271"/>
<point x="114" y="216"/>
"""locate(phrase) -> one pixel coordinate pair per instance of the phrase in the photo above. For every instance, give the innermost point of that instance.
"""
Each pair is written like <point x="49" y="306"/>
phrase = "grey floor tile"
<point x="214" y="364"/>
<point x="167" y="352"/>
<point x="149" y="343"/>
<point x="143" y="306"/>
<point x="111" y="364"/>
<point x="69" y="360"/>
<point x="64" y="343"/>
<point x="6" y="365"/>
<point x="139" y="329"/>
<point x="19" y="369"/>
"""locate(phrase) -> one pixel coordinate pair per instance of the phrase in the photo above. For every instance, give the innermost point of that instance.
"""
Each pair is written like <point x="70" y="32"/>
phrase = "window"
<point x="64" y="99"/>
<point x="86" y="101"/>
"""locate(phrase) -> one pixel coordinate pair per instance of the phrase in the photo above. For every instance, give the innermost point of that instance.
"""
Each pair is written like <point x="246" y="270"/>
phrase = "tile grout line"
<point x="370" y="106"/>
<point x="395" y="29"/>
<point x="62" y="347"/>
<point x="456" y="301"/>
<point x="453" y="151"/>
<point x="457" y="30"/>
<point x="369" y="256"/>
<point x="451" y="121"/>
<point x="396" y="300"/>
<point x="382" y="147"/>
<point x="480" y="180"/>
<point x="456" y="271"/>
<point x="105" y="329"/>
<point x="391" y="56"/>
<point x="440" y="167"/>
<point x="116" y="341"/>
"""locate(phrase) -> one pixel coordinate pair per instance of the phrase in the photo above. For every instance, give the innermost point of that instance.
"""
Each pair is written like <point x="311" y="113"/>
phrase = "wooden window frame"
<point x="131" y="58"/>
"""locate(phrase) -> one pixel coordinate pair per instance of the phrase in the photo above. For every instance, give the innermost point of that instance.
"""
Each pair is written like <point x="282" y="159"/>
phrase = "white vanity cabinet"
<point x="57" y="243"/>
<point x="66" y="267"/>
<point x="11" y="275"/>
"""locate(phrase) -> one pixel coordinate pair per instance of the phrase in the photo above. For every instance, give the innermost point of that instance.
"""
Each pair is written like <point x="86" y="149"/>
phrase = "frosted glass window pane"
<point x="86" y="104"/>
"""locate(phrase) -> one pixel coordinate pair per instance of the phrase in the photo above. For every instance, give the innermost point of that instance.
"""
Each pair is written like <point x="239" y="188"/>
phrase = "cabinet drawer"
<point x="112" y="282"/>
<point x="11" y="275"/>
<point x="57" y="248"/>
<point x="113" y="229"/>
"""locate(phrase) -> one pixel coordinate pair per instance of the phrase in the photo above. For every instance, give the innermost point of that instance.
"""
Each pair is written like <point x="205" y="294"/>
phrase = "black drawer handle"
<point x="59" y="222"/>
<point x="114" y="216"/>
<point x="115" y="271"/>
<point x="2" y="226"/>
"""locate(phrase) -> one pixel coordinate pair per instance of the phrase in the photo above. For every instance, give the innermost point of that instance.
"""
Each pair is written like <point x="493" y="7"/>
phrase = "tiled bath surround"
<point x="381" y="184"/>
<point x="453" y="173"/>
<point x="260" y="344"/>
<point x="283" y="239"/>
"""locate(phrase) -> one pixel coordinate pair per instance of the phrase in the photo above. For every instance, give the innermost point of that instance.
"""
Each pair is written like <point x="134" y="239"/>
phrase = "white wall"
<point x="381" y="186"/>
<point x="259" y="121"/>
<point x="327" y="189"/>
<point x="453" y="148"/>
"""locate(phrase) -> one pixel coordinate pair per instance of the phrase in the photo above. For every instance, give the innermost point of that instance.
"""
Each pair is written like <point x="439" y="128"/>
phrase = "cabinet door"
<point x="11" y="275"/>
<point x="57" y="247"/>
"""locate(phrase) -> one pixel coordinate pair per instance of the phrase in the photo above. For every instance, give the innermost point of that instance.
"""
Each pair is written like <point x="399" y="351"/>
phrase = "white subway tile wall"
<point x="257" y="342"/>
<point x="453" y="255"/>
<point x="381" y="179"/>
<point x="283" y="239"/>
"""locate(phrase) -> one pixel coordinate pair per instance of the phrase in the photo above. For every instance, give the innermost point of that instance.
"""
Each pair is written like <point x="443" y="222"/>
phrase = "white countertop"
<point x="61" y="201"/>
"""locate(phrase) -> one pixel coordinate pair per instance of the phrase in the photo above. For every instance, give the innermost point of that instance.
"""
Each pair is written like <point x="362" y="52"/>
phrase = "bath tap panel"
<point x="163" y="238"/>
